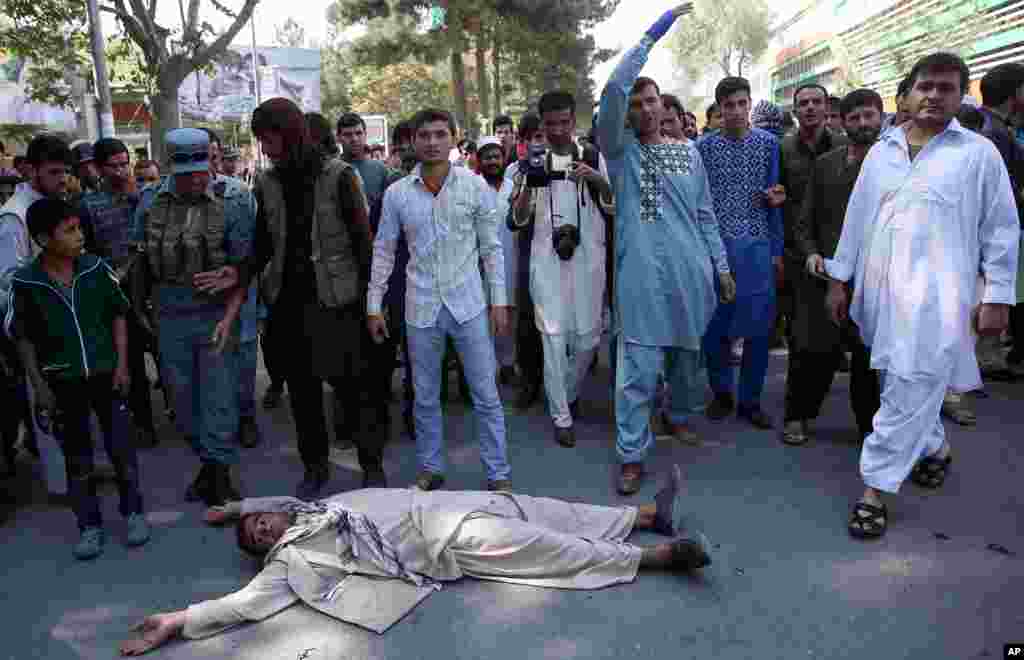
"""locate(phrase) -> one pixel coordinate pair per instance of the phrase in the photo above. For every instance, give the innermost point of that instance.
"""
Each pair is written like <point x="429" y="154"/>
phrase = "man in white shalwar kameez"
<point x="369" y="556"/>
<point x="568" y="288"/>
<point x="933" y="207"/>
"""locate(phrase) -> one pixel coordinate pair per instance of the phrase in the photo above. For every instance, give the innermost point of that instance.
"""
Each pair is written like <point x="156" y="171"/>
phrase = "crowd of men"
<point x="889" y="244"/>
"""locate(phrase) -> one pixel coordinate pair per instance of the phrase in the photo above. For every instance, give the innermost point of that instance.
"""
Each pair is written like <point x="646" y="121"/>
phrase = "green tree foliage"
<point x="163" y="55"/>
<point x="516" y="48"/>
<point x="727" y="35"/>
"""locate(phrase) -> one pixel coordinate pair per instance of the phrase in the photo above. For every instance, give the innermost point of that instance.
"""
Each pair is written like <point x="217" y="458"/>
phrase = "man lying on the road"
<point x="333" y="553"/>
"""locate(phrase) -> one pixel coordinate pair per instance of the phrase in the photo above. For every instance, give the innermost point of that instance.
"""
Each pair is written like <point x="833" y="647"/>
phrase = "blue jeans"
<point x="247" y="363"/>
<point x="475" y="347"/>
<point x="205" y="386"/>
<point x="636" y="380"/>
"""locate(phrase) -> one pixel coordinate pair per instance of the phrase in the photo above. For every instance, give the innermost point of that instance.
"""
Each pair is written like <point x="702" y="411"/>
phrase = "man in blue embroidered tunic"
<point x="743" y="169"/>
<point x="667" y="251"/>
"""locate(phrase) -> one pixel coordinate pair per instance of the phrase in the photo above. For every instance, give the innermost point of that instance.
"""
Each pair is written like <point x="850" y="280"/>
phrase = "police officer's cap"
<point x="188" y="150"/>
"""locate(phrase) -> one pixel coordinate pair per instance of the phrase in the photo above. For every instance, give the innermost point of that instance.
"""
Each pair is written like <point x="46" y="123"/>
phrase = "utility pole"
<point x="99" y="59"/>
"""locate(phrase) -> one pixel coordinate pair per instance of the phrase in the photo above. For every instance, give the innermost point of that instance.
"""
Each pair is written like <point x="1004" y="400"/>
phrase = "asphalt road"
<point x="947" y="581"/>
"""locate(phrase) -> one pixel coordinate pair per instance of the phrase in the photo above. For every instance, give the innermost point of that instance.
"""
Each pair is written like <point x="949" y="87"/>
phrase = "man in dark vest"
<point x="312" y="246"/>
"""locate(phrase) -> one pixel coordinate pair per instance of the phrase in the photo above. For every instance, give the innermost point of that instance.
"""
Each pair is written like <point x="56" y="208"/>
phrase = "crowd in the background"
<point x="883" y="245"/>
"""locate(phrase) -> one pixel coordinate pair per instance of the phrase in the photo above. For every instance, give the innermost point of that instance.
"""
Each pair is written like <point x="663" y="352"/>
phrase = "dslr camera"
<point x="566" y="238"/>
<point x="543" y="167"/>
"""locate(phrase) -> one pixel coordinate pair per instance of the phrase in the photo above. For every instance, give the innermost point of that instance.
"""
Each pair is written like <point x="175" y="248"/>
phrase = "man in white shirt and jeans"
<point x="449" y="219"/>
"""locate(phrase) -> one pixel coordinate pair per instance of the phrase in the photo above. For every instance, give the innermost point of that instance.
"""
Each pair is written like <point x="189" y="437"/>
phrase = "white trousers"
<point x="551" y="543"/>
<point x="907" y="426"/>
<point x="567" y="358"/>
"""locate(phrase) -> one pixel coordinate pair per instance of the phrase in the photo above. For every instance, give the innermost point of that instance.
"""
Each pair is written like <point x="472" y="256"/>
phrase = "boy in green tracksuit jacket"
<point x="67" y="315"/>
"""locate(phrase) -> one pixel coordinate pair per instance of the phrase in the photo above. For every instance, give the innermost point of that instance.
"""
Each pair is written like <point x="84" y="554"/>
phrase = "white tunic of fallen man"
<point x="332" y="553"/>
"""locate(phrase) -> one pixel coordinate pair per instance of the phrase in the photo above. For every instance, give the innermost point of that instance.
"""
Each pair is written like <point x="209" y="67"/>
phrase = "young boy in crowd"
<point x="67" y="315"/>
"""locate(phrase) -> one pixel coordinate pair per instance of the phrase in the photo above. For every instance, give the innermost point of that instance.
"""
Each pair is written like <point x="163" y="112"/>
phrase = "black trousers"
<point x="75" y="400"/>
<point x="306" y="392"/>
<point x="274" y="344"/>
<point x="140" y="397"/>
<point x="810" y="374"/>
<point x="1016" y="355"/>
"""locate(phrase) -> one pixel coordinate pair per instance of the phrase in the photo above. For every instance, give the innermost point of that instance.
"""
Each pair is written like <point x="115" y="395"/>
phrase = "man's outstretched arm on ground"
<point x="268" y="593"/>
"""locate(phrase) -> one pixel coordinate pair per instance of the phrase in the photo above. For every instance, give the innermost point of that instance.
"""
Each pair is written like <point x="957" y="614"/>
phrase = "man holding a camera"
<point x="559" y="191"/>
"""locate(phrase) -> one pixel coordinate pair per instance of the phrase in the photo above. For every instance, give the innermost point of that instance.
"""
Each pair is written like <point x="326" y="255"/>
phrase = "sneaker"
<point x="721" y="407"/>
<point x="90" y="544"/>
<point x="565" y="437"/>
<point x="428" y="480"/>
<point x="200" y="486"/>
<point x="138" y="530"/>
<point x="795" y="432"/>
<point x="684" y="434"/>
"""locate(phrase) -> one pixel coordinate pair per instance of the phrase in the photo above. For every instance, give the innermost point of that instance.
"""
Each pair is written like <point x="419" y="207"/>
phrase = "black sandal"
<point x="864" y="521"/>
<point x="930" y="472"/>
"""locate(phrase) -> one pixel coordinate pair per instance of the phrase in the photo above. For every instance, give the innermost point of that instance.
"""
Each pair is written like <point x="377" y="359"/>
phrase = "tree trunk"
<point x="459" y="87"/>
<point x="496" y="65"/>
<point x="164" y="110"/>
<point x="483" y="87"/>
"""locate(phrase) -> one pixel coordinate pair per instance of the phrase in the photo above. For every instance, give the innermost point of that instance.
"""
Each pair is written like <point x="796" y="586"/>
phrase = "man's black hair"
<point x="350" y="120"/>
<point x="431" y="115"/>
<point x="971" y="118"/>
<point x="1001" y="84"/>
<point x="320" y="133"/>
<point x="556" y="102"/>
<point x="834" y="101"/>
<point x="903" y="88"/>
<point x="107" y="148"/>
<point x="502" y="120"/>
<point x="48" y="149"/>
<point x="214" y="138"/>
<point x="802" y="88"/>
<point x="712" y="109"/>
<point x="529" y="124"/>
<point x="46" y="214"/>
<point x="642" y="83"/>
<point x="692" y="116"/>
<point x="729" y="86"/>
<point x="859" y="98"/>
<point x="671" y="101"/>
<point x="940" y="63"/>
<point x="402" y="132"/>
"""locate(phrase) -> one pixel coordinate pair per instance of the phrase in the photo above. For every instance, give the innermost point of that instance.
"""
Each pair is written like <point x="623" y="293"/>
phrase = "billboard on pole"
<point x="229" y="94"/>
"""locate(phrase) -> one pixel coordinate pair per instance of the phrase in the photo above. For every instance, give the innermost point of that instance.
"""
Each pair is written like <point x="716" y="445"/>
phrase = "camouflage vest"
<point x="184" y="239"/>
<point x="335" y="264"/>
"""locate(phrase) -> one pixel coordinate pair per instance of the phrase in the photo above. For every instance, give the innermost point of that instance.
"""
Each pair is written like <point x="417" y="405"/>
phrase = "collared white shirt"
<point x="915" y="238"/>
<point x="449" y="236"/>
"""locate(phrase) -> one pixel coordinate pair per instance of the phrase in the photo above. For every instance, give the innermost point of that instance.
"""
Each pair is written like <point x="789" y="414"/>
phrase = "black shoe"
<point x="506" y="375"/>
<point x="249" y="434"/>
<point x="565" y="437"/>
<point x="313" y="482"/>
<point x="221" y="489"/>
<point x="756" y="416"/>
<point x="146" y="438"/>
<point x="375" y="478"/>
<point x="721" y="407"/>
<point x="529" y="395"/>
<point x="199" y="490"/>
<point x="272" y="398"/>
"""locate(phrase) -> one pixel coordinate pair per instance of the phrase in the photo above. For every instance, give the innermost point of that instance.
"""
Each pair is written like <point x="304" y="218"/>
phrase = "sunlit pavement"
<point x="787" y="582"/>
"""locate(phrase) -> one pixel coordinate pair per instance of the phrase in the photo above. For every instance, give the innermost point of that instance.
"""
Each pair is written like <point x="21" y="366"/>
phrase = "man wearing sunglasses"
<point x="187" y="225"/>
<point x="106" y="216"/>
